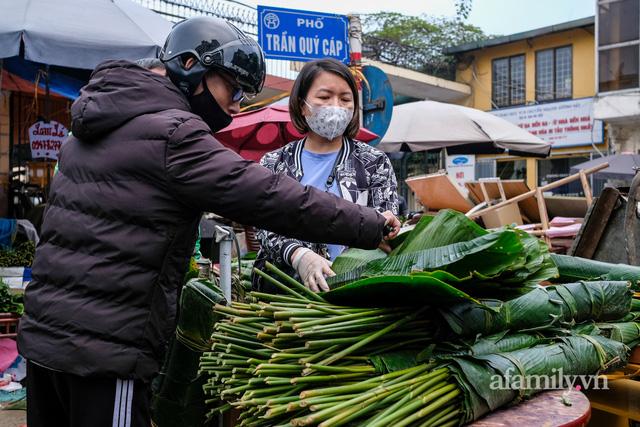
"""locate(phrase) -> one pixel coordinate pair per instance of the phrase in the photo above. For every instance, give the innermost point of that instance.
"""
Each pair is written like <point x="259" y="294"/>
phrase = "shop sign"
<point x="563" y="124"/>
<point x="301" y="35"/>
<point x="461" y="168"/>
<point x="46" y="138"/>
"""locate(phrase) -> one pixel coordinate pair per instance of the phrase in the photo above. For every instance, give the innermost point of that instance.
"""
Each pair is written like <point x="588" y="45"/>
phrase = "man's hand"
<point x="391" y="222"/>
<point x="385" y="246"/>
<point x="312" y="269"/>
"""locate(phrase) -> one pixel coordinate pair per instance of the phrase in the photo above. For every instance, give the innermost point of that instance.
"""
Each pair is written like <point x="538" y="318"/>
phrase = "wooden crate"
<point x="9" y="325"/>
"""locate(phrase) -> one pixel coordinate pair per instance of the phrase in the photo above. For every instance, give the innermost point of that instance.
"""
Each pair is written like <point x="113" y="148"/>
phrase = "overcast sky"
<point x="493" y="16"/>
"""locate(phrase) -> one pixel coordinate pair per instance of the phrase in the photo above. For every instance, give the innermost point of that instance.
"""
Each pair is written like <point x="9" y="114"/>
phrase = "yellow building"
<point x="544" y="81"/>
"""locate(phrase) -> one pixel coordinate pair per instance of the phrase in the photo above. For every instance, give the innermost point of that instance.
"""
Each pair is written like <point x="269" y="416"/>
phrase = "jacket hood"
<point x="117" y="92"/>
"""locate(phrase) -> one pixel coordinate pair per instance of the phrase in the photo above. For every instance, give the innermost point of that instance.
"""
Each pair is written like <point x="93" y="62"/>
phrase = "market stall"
<point x="50" y="51"/>
<point x="451" y="326"/>
<point x="16" y="256"/>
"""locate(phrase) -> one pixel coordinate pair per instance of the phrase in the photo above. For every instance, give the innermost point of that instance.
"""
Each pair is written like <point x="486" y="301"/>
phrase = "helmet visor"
<point x="245" y="61"/>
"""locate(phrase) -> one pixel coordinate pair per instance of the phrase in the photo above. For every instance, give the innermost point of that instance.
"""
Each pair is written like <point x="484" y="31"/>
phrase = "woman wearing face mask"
<point x="324" y="105"/>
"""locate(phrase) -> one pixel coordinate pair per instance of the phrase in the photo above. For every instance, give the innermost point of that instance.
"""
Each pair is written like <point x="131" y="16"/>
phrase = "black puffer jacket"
<point x="122" y="221"/>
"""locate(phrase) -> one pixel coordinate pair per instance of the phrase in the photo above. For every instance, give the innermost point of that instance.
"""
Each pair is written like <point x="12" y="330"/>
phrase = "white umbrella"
<point x="429" y="125"/>
<point x="79" y="33"/>
<point x="621" y="166"/>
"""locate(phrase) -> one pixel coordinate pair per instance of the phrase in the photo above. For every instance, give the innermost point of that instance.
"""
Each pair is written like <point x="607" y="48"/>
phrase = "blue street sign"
<point x="301" y="35"/>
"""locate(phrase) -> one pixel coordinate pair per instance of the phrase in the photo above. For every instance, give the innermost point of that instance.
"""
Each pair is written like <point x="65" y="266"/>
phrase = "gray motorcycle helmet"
<point x="216" y="44"/>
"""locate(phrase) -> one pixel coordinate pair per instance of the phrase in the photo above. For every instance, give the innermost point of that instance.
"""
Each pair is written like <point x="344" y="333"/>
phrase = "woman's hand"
<point x="393" y="223"/>
<point x="312" y="269"/>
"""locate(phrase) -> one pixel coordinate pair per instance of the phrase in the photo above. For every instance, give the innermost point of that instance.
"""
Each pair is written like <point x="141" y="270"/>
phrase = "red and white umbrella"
<point x="254" y="133"/>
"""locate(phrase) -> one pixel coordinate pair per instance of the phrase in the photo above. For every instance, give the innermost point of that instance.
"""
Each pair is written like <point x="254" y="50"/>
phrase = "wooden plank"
<point x="542" y="189"/>
<point x="503" y="196"/>
<point x="595" y="223"/>
<point x="529" y="207"/>
<point x="485" y="195"/>
<point x="475" y="191"/>
<point x="570" y="206"/>
<point x="512" y="188"/>
<point x="544" y="218"/>
<point x="586" y="188"/>
<point x="524" y="196"/>
<point x="437" y="191"/>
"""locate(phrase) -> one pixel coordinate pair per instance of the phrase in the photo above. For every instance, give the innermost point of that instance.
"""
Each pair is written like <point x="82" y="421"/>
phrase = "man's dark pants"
<point x="57" y="398"/>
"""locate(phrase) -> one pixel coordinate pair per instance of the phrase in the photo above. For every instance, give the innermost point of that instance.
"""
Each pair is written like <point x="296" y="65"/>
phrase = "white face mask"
<point x="328" y="121"/>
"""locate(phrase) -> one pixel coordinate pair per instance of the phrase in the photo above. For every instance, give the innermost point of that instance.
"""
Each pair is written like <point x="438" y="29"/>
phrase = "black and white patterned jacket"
<point x="364" y="176"/>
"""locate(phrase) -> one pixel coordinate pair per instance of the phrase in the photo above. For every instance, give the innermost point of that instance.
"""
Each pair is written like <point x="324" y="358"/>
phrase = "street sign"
<point x="301" y="35"/>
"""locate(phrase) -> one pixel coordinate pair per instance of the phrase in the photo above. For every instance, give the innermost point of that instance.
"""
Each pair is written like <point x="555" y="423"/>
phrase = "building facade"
<point x="617" y="102"/>
<point x="541" y="80"/>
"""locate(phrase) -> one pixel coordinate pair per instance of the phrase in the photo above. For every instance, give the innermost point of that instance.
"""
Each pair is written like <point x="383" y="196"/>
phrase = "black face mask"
<point x="206" y="106"/>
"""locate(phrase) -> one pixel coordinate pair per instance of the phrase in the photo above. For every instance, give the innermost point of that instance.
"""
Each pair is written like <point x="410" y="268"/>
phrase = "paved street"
<point x="12" y="418"/>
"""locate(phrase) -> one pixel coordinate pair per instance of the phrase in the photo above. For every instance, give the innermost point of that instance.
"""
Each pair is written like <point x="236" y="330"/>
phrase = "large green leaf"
<point x="446" y="228"/>
<point x="538" y="265"/>
<point x="405" y="232"/>
<point x="178" y="398"/>
<point x="353" y="258"/>
<point x="453" y="250"/>
<point x="625" y="332"/>
<point x="400" y="290"/>
<point x="576" y="268"/>
<point x="497" y="343"/>
<point x="196" y="319"/>
<point x="450" y="257"/>
<point x="394" y="361"/>
<point x="543" y="308"/>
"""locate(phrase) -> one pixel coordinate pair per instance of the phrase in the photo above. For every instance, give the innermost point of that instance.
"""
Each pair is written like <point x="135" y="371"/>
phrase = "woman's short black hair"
<point x="303" y="83"/>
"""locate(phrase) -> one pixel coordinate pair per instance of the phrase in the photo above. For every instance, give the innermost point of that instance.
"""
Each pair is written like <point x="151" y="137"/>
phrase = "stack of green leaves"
<point x="542" y="308"/>
<point x="268" y="350"/>
<point x="178" y="396"/>
<point x="446" y="258"/>
<point x="494" y="380"/>
<point x="295" y="359"/>
<point x="10" y="303"/>
<point x="575" y="268"/>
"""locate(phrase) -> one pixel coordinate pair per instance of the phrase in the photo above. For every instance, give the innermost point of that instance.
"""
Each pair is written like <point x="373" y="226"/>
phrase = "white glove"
<point x="312" y="269"/>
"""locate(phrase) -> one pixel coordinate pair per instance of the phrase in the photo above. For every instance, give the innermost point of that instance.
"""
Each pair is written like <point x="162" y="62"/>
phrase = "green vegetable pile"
<point x="417" y="338"/>
<point x="21" y="256"/>
<point x="10" y="303"/>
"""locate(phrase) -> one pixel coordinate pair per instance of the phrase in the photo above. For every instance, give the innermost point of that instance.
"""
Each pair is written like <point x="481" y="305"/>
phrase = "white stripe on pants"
<point x="122" y="403"/>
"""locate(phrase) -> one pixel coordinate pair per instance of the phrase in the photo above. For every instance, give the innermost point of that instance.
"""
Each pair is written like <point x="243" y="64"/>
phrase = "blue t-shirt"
<point x="316" y="168"/>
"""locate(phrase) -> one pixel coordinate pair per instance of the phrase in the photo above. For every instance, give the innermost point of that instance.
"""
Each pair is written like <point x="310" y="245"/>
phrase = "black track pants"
<point x="66" y="400"/>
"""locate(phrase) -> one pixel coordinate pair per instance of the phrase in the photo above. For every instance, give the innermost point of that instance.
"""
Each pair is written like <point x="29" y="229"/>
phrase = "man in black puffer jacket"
<point x="123" y="215"/>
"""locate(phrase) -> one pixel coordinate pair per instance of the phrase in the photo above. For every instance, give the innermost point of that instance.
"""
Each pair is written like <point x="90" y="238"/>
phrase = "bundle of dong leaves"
<point x="296" y="359"/>
<point x="444" y="259"/>
<point x="418" y="337"/>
